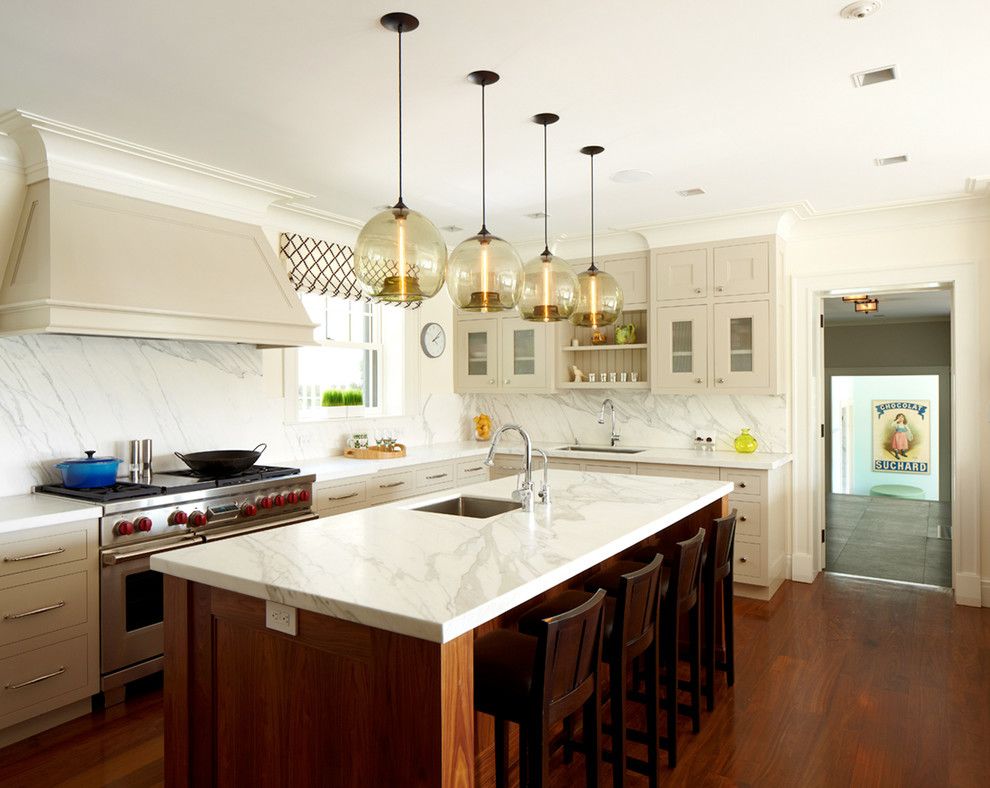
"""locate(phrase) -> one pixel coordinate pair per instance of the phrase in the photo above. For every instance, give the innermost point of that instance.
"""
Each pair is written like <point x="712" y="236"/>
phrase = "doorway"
<point x="888" y="454"/>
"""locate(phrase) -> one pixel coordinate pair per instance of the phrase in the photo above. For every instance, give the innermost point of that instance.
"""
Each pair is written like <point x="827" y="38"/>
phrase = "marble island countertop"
<point x="437" y="576"/>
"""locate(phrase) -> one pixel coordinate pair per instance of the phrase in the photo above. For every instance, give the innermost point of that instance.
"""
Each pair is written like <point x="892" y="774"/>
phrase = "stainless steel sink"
<point x="601" y="449"/>
<point x="466" y="506"/>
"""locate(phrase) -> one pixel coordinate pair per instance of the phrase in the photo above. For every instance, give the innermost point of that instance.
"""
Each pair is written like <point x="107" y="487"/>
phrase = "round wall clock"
<point x="433" y="340"/>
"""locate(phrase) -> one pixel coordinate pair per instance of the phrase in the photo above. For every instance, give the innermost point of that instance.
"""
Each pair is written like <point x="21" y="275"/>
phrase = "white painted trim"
<point x="807" y="401"/>
<point x="985" y="593"/>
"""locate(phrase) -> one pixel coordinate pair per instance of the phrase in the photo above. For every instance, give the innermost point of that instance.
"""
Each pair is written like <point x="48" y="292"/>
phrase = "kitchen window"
<point x="342" y="376"/>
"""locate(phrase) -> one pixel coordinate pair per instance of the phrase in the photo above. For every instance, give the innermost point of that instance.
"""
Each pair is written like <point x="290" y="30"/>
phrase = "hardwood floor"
<point x="844" y="682"/>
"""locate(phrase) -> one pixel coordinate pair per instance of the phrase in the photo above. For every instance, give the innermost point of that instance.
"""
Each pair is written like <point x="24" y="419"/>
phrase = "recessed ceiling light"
<point x="874" y="76"/>
<point x="537" y="215"/>
<point x="694" y="192"/>
<point x="451" y="228"/>
<point x="862" y="9"/>
<point x="632" y="176"/>
<point x="886" y="161"/>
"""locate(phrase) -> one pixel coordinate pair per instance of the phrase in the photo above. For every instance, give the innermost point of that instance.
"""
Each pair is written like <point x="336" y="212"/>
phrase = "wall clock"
<point x="433" y="340"/>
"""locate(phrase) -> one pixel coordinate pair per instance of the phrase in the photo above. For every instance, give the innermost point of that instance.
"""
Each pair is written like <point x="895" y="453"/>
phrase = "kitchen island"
<point x="375" y="685"/>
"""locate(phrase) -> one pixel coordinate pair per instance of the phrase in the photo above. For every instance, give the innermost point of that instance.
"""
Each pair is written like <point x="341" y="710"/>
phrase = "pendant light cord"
<point x="546" y="214"/>
<point x="484" y="205"/>
<point x="592" y="157"/>
<point x="400" y="203"/>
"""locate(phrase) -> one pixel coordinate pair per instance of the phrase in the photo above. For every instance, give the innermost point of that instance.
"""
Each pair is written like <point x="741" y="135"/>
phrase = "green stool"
<point x="897" y="491"/>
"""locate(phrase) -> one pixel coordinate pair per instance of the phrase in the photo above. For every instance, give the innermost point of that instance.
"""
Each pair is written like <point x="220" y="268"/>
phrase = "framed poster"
<point x="902" y="436"/>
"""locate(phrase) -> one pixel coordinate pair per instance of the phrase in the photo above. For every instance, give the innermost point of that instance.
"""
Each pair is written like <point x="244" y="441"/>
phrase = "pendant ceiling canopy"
<point x="400" y="255"/>
<point x="599" y="297"/>
<point x="550" y="287"/>
<point x="484" y="273"/>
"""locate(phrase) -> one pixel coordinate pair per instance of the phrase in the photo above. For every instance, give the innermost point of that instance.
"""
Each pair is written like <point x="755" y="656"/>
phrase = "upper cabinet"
<point x="502" y="353"/>
<point x="682" y="274"/>
<point x="713" y="271"/>
<point x="630" y="272"/>
<point x="741" y="269"/>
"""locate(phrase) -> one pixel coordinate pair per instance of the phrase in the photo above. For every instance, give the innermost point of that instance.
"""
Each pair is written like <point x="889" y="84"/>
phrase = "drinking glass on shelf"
<point x="622" y="377"/>
<point x="634" y="377"/>
<point x="612" y="377"/>
<point x="591" y="377"/>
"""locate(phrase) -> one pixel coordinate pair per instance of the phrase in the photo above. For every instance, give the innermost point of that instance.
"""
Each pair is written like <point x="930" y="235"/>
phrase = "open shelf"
<point x="582" y="348"/>
<point x="639" y="384"/>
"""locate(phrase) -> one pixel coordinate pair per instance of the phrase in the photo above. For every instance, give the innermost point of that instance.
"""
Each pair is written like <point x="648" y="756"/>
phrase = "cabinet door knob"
<point x="491" y="381"/>
<point x="697" y="380"/>
<point x="742" y="484"/>
<point x="697" y="290"/>
<point x="719" y="289"/>
<point x="506" y="381"/>
<point x="721" y="380"/>
<point x="742" y="519"/>
<point x="743" y="560"/>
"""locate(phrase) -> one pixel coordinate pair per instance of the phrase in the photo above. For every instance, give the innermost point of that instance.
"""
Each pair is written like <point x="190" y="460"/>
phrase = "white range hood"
<point x="85" y="260"/>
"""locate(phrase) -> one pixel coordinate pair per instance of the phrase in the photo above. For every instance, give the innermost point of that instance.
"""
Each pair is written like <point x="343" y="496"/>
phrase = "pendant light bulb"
<point x="484" y="273"/>
<point x="400" y="255"/>
<point x="599" y="295"/>
<point x="550" y="287"/>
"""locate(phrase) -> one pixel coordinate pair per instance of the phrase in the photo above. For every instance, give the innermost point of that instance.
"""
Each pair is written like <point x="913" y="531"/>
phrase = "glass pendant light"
<point x="599" y="295"/>
<point x="484" y="273"/>
<point x="400" y="256"/>
<point x="550" y="287"/>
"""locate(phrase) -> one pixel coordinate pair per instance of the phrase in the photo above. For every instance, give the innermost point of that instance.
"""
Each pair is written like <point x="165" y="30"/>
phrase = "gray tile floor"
<point x="889" y="538"/>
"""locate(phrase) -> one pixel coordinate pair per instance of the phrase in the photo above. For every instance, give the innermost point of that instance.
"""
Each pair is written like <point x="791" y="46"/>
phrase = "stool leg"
<point x="653" y="713"/>
<point x="668" y="655"/>
<point x="694" y="643"/>
<point x="568" y="740"/>
<point x="709" y="645"/>
<point x="617" y="679"/>
<point x="501" y="753"/>
<point x="730" y="646"/>
<point x="593" y="739"/>
<point x="539" y="757"/>
<point x="524" y="765"/>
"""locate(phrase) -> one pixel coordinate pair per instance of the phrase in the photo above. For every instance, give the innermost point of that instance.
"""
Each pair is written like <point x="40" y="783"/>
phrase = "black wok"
<point x="221" y="463"/>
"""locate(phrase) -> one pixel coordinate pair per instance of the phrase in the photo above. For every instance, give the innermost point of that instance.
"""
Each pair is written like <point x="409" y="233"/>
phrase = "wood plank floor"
<point x="842" y="683"/>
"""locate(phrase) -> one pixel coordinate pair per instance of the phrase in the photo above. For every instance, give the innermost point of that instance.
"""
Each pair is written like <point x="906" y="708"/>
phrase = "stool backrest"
<point x="719" y="559"/>
<point x="636" y="608"/>
<point x="570" y="647"/>
<point x="686" y="571"/>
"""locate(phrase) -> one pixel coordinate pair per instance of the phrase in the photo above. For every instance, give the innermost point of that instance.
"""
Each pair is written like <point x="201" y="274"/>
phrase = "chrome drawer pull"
<point x="437" y="476"/>
<point x="342" y="497"/>
<point x="26" y="613"/>
<point x="474" y="470"/>
<point x="29" y="682"/>
<point x="389" y="486"/>
<point x="56" y="551"/>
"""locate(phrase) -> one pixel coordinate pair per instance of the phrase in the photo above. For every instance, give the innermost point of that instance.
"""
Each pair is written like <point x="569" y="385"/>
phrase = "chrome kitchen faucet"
<point x="525" y="492"/>
<point x="614" y="437"/>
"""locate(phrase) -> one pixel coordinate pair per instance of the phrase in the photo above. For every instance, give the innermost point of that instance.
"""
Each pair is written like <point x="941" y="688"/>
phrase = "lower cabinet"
<point x="49" y="626"/>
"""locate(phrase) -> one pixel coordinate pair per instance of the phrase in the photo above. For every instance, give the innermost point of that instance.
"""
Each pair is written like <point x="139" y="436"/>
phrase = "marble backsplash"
<point x="644" y="419"/>
<point x="60" y="395"/>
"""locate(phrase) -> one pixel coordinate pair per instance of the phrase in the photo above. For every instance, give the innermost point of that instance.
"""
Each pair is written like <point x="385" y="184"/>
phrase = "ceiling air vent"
<point x="885" y="161"/>
<point x="691" y="192"/>
<point x="874" y="76"/>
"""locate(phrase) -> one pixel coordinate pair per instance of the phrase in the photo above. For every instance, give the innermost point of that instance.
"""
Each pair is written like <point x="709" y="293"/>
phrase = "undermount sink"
<point x="466" y="506"/>
<point x="601" y="449"/>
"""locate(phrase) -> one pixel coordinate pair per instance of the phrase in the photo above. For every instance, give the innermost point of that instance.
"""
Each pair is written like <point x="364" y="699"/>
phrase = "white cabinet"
<point x="681" y="275"/>
<point x="504" y="353"/>
<point x="682" y="339"/>
<point x="741" y="345"/>
<point x="741" y="269"/>
<point x="630" y="271"/>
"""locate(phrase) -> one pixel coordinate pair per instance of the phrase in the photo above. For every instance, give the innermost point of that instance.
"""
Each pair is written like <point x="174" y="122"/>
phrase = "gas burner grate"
<point x="253" y="474"/>
<point x="121" y="491"/>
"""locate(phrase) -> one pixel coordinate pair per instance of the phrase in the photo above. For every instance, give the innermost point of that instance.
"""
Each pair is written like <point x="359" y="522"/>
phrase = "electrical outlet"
<point x="281" y="618"/>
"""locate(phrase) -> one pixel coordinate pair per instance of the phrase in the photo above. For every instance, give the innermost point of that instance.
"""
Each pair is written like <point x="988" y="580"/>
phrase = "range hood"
<point x="86" y="260"/>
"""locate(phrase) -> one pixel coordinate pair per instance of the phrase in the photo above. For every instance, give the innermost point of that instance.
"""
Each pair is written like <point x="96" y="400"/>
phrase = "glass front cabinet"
<point x="683" y="343"/>
<point x="501" y="354"/>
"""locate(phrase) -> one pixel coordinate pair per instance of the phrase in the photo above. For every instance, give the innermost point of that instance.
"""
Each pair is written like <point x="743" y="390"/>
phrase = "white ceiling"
<point x="917" y="305"/>
<point x="752" y="101"/>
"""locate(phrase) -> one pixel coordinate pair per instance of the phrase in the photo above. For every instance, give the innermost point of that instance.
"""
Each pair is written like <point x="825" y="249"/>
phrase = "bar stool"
<point x="630" y="634"/>
<point x="717" y="570"/>
<point x="538" y="681"/>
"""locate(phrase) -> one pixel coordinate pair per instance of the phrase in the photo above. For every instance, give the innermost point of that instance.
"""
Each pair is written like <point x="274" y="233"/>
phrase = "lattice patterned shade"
<point x="324" y="267"/>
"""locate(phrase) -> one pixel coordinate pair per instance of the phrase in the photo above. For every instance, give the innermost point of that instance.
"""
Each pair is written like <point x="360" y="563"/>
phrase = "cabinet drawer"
<point x="18" y="554"/>
<point x="748" y="484"/>
<point x="43" y="674"/>
<point x="610" y="467"/>
<point x="32" y="609"/>
<point x="392" y="486"/>
<point x="340" y="495"/>
<point x="472" y="470"/>
<point x="564" y="464"/>
<point x="678" y="471"/>
<point x="749" y="517"/>
<point x="748" y="566"/>
<point x="435" y="476"/>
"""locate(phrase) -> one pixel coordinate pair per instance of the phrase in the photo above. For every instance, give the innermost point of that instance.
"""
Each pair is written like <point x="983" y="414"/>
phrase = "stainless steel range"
<point x="173" y="511"/>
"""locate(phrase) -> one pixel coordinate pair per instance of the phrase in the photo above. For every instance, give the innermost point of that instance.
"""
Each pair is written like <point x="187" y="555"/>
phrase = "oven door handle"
<point x="248" y="529"/>
<point x="114" y="557"/>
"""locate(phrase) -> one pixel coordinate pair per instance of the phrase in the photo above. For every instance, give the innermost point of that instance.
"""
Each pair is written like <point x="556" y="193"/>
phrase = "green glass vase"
<point x="745" y="443"/>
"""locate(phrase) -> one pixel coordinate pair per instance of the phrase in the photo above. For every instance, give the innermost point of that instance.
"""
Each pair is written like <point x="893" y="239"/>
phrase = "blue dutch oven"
<point x="92" y="471"/>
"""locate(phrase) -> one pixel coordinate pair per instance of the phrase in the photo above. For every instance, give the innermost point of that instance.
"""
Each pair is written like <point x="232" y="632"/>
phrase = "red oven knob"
<point x="178" y="518"/>
<point x="143" y="524"/>
<point x="279" y="500"/>
<point x="249" y="510"/>
<point x="265" y="503"/>
<point x="124" y="528"/>
<point x="292" y="497"/>
<point x="197" y="519"/>
<point x="304" y="496"/>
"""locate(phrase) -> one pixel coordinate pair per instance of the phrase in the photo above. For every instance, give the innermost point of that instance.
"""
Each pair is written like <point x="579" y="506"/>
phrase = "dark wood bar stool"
<point x="538" y="681"/>
<point x="629" y="634"/>
<point x="717" y="571"/>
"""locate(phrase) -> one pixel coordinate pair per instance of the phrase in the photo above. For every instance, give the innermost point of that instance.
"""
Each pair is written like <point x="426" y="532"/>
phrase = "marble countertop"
<point x="435" y="576"/>
<point x="341" y="467"/>
<point x="21" y="512"/>
<point x="764" y="461"/>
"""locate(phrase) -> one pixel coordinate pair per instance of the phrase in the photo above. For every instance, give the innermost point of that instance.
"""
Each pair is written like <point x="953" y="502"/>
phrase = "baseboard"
<point x="43" y="722"/>
<point x="803" y="567"/>
<point x="970" y="591"/>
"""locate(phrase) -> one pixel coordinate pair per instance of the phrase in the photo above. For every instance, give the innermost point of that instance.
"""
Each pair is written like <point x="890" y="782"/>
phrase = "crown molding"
<point x="322" y="215"/>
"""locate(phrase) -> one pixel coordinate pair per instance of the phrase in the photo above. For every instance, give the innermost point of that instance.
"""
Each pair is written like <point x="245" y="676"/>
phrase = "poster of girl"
<point x="901" y="437"/>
